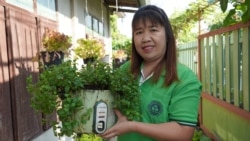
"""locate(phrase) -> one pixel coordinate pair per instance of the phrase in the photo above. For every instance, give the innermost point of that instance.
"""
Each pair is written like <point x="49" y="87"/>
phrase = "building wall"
<point x="71" y="20"/>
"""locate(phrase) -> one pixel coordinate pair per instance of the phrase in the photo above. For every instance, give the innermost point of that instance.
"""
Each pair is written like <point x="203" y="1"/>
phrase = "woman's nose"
<point x="146" y="38"/>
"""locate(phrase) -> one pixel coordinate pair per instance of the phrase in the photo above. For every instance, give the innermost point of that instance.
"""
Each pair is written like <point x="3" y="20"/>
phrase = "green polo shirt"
<point x="179" y="102"/>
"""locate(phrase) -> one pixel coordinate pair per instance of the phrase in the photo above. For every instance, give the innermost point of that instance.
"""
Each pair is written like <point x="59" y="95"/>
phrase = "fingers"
<point x="109" y="134"/>
<point x="116" y="129"/>
<point x="118" y="113"/>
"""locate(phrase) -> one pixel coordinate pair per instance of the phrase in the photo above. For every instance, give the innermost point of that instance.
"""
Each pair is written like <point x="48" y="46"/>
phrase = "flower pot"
<point x="91" y="100"/>
<point x="51" y="58"/>
<point x="88" y="60"/>
<point x="118" y="62"/>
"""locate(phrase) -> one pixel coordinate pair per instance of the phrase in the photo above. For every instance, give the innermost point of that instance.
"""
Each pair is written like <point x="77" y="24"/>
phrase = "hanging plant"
<point x="55" y="46"/>
<point x="59" y="89"/>
<point x="89" y="48"/>
<point x="56" y="41"/>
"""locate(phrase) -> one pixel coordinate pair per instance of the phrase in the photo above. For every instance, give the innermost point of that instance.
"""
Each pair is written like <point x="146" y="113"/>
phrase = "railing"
<point x="187" y="55"/>
<point x="224" y="64"/>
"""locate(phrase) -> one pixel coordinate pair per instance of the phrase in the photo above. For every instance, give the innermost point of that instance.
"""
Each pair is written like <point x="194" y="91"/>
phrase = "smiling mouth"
<point x="147" y="48"/>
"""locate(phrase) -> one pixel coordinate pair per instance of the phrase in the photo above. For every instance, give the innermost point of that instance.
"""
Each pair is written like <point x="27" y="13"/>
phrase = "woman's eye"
<point x="153" y="30"/>
<point x="138" y="32"/>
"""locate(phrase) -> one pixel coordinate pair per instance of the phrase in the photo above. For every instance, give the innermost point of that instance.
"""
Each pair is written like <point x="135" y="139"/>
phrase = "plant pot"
<point x="51" y="58"/>
<point x="117" y="62"/>
<point x="92" y="99"/>
<point x="88" y="60"/>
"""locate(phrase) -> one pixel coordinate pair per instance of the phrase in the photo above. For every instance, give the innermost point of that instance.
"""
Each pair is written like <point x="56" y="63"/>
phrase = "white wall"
<point x="71" y="17"/>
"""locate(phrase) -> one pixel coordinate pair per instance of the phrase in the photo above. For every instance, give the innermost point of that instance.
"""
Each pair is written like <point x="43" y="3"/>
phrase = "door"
<point x="22" y="47"/>
<point x="6" y="131"/>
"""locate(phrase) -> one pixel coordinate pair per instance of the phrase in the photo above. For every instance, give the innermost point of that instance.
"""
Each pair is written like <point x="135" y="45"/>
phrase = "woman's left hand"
<point x="122" y="126"/>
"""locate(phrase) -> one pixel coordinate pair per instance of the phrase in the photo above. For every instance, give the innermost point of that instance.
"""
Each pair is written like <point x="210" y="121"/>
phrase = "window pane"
<point x="46" y="8"/>
<point x="88" y="21"/>
<point x="95" y="25"/>
<point x="101" y="28"/>
<point x="25" y="4"/>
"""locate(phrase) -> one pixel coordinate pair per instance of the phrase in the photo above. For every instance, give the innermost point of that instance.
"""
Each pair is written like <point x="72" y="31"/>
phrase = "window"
<point x="95" y="25"/>
<point x="101" y="28"/>
<point x="46" y="8"/>
<point x="25" y="4"/>
<point x="88" y="21"/>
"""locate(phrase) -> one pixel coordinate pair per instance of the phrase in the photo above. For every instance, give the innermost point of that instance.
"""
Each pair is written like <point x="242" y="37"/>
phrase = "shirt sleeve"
<point x="184" y="104"/>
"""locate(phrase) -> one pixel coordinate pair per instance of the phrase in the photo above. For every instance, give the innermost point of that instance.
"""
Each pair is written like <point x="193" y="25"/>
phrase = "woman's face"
<point x="150" y="41"/>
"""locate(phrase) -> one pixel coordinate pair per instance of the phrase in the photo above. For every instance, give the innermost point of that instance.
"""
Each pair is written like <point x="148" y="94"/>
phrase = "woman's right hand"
<point x="122" y="126"/>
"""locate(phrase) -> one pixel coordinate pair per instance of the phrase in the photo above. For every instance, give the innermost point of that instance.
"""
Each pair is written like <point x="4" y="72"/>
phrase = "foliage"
<point x="125" y="91"/>
<point x="89" y="48"/>
<point x="216" y="21"/>
<point x="56" y="41"/>
<point x="70" y="105"/>
<point x="239" y="13"/>
<point x="54" y="92"/>
<point x="119" y="41"/>
<point x="55" y="46"/>
<point x="117" y="38"/>
<point x="113" y="22"/>
<point x="89" y="137"/>
<point x="119" y="57"/>
<point x="128" y="47"/>
<point x="57" y="87"/>
<point x="199" y="136"/>
<point x="119" y="54"/>
<point x="50" y="85"/>
<point x="184" y="21"/>
<point x="96" y="76"/>
<point x="181" y="26"/>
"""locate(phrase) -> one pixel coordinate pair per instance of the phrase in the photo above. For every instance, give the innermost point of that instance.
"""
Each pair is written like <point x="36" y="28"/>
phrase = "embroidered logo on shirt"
<point x="155" y="108"/>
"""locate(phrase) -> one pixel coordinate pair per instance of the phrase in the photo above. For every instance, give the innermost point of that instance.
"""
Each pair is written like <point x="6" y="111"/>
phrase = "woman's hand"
<point x="122" y="126"/>
<point x="164" y="131"/>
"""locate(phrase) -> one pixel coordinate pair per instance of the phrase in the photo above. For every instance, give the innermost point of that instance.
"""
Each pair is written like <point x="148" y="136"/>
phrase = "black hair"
<point x="156" y="15"/>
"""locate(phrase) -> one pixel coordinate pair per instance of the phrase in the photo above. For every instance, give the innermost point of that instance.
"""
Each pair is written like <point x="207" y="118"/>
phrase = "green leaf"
<point x="223" y="5"/>
<point x="246" y="15"/>
<point x="229" y="20"/>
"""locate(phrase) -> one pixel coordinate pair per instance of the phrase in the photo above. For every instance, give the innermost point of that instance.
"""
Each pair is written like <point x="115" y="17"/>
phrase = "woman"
<point x="170" y="92"/>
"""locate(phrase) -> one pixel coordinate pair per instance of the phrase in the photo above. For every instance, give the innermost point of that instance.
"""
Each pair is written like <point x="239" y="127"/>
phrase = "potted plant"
<point x="63" y="90"/>
<point x="89" y="49"/>
<point x="55" y="46"/>
<point x="119" y="57"/>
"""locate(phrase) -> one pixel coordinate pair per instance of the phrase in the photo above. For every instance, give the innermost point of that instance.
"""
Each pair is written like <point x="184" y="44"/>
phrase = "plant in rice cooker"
<point x="60" y="89"/>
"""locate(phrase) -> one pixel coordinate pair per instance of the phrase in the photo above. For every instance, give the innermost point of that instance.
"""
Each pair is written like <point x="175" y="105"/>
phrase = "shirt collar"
<point x="142" y="78"/>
